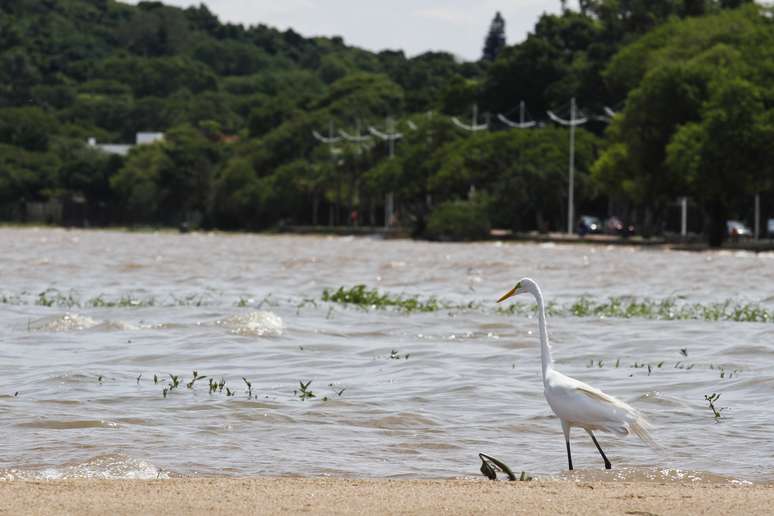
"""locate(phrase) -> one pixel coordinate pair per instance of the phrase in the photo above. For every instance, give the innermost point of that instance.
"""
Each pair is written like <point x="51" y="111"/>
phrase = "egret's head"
<point x="518" y="289"/>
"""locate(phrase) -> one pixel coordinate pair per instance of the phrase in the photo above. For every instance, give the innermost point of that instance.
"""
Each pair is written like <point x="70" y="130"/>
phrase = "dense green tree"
<point x="27" y="127"/>
<point x="726" y="155"/>
<point x="495" y="38"/>
<point x="239" y="106"/>
<point x="681" y="131"/>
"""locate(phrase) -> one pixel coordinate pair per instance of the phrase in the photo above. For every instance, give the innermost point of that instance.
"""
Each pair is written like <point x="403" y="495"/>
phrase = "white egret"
<point x="576" y="403"/>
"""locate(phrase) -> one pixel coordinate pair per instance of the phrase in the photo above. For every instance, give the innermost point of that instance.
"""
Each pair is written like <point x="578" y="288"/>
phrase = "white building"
<point x="122" y="149"/>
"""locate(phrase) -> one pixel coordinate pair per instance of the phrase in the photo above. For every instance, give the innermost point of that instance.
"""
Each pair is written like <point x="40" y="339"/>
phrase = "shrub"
<point x="458" y="220"/>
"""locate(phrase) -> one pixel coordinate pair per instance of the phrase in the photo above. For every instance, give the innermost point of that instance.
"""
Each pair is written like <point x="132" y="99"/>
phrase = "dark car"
<point x="589" y="224"/>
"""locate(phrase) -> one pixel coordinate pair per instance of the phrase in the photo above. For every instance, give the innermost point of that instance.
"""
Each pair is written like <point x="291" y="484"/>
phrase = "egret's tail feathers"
<point x="640" y="427"/>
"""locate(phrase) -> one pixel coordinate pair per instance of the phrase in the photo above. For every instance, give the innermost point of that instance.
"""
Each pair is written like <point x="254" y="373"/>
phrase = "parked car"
<point x="737" y="229"/>
<point x="589" y="224"/>
<point x="614" y="226"/>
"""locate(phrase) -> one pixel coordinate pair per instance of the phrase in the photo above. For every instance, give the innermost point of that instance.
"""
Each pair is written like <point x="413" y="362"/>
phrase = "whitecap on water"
<point x="260" y="323"/>
<point x="77" y="322"/>
<point x="105" y="467"/>
<point x="62" y="323"/>
<point x="644" y="474"/>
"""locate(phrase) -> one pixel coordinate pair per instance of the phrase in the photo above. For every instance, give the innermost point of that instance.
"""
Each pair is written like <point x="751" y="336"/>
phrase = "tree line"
<point x="239" y="106"/>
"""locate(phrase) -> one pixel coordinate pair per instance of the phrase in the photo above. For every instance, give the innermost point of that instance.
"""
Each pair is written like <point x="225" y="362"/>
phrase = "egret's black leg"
<point x="607" y="462"/>
<point x="569" y="455"/>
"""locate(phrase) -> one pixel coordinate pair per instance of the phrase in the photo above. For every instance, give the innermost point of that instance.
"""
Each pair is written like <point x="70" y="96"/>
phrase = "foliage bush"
<point x="458" y="220"/>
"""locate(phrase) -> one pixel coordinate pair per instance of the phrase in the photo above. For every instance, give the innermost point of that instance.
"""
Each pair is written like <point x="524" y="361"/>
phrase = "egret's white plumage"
<point x="575" y="403"/>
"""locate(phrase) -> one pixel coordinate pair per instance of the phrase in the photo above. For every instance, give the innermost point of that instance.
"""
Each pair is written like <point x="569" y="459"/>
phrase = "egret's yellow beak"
<point x="507" y="295"/>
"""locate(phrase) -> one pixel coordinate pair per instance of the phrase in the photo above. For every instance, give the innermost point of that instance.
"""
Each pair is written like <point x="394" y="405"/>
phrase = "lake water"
<point x="415" y="395"/>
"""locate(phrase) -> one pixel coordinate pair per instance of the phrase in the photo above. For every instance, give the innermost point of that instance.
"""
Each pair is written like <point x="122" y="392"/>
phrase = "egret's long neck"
<point x="545" y="347"/>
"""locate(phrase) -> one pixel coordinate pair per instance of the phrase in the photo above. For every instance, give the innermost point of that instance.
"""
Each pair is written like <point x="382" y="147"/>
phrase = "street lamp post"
<point x="329" y="140"/>
<point x="390" y="137"/>
<point x="573" y="122"/>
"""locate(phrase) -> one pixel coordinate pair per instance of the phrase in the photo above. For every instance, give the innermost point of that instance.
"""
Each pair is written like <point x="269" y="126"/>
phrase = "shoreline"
<point x="359" y="496"/>
<point x="659" y="243"/>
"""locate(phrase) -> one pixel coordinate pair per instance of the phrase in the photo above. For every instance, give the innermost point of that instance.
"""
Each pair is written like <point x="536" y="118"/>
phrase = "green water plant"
<point x="366" y="298"/>
<point x="304" y="393"/>
<point x="195" y="378"/>
<point x="711" y="399"/>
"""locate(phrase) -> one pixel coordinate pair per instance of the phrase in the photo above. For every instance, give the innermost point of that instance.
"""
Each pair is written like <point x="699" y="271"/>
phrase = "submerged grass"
<point x="55" y="298"/>
<point x="615" y="307"/>
<point x="362" y="296"/>
<point x="365" y="298"/>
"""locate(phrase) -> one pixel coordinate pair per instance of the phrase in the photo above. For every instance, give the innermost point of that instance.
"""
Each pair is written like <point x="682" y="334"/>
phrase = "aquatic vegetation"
<point x="361" y="296"/>
<point x="125" y="301"/>
<point x="195" y="378"/>
<point x="711" y="399"/>
<point x="665" y="309"/>
<point x="615" y="307"/>
<point x="249" y="388"/>
<point x="175" y="381"/>
<point x="337" y="389"/>
<point x="304" y="393"/>
<point x="52" y="297"/>
<point x="305" y="302"/>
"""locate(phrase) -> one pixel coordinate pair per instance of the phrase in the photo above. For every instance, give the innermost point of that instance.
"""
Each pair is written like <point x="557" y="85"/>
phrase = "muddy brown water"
<point x="408" y="395"/>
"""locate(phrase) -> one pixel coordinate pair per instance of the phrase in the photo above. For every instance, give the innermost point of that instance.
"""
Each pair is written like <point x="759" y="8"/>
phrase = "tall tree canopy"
<point x="495" y="38"/>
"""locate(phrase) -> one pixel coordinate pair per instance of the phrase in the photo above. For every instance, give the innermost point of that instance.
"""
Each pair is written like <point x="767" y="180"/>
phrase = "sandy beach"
<point x="341" y="496"/>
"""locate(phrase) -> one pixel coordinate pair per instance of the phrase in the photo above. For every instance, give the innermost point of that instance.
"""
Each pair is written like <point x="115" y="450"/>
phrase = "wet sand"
<point x="343" y="496"/>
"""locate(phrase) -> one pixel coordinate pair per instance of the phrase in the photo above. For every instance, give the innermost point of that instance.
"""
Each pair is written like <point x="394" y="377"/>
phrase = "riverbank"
<point x="671" y="243"/>
<point x="675" y="244"/>
<point x="342" y="496"/>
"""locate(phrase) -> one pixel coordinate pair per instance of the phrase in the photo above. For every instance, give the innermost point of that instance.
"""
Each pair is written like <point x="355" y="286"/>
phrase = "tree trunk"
<point x="716" y="225"/>
<point x="315" y="206"/>
<point x="540" y="221"/>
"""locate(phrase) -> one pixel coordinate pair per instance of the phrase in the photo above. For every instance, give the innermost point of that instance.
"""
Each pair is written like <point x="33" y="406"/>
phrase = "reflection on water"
<point x="391" y="394"/>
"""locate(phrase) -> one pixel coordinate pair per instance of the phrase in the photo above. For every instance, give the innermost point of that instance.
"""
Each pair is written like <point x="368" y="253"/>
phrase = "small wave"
<point x="78" y="322"/>
<point x="259" y="324"/>
<point x="103" y="467"/>
<point x="62" y="424"/>
<point x="63" y="323"/>
<point x="645" y="474"/>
